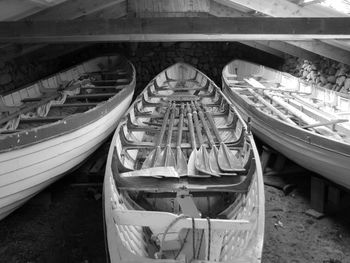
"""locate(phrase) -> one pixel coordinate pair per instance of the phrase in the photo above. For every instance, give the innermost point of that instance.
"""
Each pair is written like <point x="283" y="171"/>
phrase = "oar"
<point x="202" y="157"/>
<point x="168" y="157"/>
<point x="155" y="153"/>
<point x="213" y="155"/>
<point x="181" y="163"/>
<point x="192" y="159"/>
<point x="226" y="159"/>
<point x="214" y="152"/>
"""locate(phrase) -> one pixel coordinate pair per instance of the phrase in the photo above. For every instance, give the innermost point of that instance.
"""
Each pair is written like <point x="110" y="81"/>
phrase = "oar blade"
<point x="202" y="161"/>
<point x="159" y="158"/>
<point x="227" y="160"/>
<point x="191" y="164"/>
<point x="181" y="163"/>
<point x="149" y="160"/>
<point x="213" y="161"/>
<point x="169" y="158"/>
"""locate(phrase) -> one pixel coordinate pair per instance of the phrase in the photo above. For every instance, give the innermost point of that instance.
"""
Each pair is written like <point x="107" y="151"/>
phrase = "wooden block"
<point x="333" y="198"/>
<point x="314" y="213"/>
<point x="318" y="192"/>
<point x="265" y="157"/>
<point x="279" y="162"/>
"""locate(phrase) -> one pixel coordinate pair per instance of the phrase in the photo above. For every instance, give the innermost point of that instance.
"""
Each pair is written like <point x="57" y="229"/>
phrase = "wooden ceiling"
<point x="275" y="26"/>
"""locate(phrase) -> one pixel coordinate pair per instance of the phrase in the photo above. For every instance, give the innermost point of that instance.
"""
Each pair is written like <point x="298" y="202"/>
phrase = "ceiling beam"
<point x="175" y="29"/>
<point x="284" y="8"/>
<point x="264" y="48"/>
<point x="290" y="49"/>
<point x="73" y="9"/>
<point x="323" y="49"/>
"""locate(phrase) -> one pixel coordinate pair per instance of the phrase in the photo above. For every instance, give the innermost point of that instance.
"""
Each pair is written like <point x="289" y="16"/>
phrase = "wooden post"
<point x="265" y="157"/>
<point x="318" y="194"/>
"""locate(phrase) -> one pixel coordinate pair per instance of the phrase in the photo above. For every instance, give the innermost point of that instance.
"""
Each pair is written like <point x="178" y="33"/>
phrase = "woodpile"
<point x="324" y="73"/>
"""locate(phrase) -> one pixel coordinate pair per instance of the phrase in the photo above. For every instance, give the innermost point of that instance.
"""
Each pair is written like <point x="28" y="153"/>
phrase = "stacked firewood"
<point x="324" y="73"/>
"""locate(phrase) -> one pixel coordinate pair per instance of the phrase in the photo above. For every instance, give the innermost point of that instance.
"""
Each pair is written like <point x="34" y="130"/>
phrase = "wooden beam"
<point x="73" y="9"/>
<point x="284" y="8"/>
<point x="290" y="49"/>
<point x="219" y="10"/>
<point x="175" y="29"/>
<point x="324" y="50"/>
<point x="264" y="48"/>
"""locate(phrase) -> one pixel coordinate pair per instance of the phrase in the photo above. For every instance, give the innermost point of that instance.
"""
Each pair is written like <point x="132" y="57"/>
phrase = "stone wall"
<point x="209" y="57"/>
<point x="149" y="60"/>
<point x="322" y="72"/>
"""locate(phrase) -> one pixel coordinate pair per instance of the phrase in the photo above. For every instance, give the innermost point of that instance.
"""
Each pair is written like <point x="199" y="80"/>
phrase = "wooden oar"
<point x="214" y="153"/>
<point x="192" y="159"/>
<point x="202" y="157"/>
<point x="181" y="163"/>
<point x="155" y="153"/>
<point x="167" y="156"/>
<point x="226" y="159"/>
<point x="43" y="100"/>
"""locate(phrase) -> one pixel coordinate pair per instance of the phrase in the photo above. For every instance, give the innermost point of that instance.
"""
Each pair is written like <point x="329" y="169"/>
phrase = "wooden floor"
<point x="65" y="224"/>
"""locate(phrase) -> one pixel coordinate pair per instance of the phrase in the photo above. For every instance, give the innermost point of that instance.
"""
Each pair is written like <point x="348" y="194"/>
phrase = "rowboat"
<point x="48" y="128"/>
<point x="183" y="180"/>
<point x="306" y="123"/>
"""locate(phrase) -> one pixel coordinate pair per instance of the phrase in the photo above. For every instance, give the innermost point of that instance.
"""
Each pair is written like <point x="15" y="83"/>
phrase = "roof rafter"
<point x="290" y="49"/>
<point x="284" y="8"/>
<point x="323" y="49"/>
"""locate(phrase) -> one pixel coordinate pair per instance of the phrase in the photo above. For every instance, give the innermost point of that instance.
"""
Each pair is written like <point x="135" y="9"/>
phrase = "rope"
<point x="172" y="223"/>
<point x="209" y="238"/>
<point x="200" y="244"/>
<point x="193" y="238"/>
<point x="183" y="244"/>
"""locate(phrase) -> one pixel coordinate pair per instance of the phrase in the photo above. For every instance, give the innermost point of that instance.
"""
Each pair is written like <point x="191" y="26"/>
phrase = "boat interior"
<point x="76" y="90"/>
<point x="181" y="149"/>
<point x="290" y="99"/>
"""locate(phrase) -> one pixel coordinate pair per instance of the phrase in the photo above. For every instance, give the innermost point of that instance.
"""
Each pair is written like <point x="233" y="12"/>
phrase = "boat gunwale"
<point x="311" y="137"/>
<point x="70" y="123"/>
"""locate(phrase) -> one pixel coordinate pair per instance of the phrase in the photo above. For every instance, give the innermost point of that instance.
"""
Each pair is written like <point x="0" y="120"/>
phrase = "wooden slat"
<point x="264" y="48"/>
<point x="42" y="119"/>
<point x="290" y="49"/>
<point x="85" y="104"/>
<point x="187" y="29"/>
<point x="324" y="49"/>
<point x="284" y="8"/>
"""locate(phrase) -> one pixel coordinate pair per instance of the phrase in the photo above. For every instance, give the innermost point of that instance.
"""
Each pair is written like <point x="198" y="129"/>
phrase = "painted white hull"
<point x="319" y="153"/>
<point x="332" y="165"/>
<point x="26" y="171"/>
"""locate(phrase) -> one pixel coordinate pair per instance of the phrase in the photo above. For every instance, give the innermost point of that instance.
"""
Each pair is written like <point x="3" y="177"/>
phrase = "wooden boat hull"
<point x="327" y="157"/>
<point x="126" y="242"/>
<point x="61" y="147"/>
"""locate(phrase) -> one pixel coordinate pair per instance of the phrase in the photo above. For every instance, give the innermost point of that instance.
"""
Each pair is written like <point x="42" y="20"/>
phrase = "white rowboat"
<point x="183" y="180"/>
<point x="50" y="127"/>
<point x="308" y="124"/>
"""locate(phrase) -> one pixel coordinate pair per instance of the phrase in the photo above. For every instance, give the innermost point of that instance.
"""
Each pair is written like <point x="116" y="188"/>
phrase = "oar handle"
<point x="205" y="125"/>
<point x="190" y="127"/>
<point x="171" y="124"/>
<point x="196" y="123"/>
<point x="162" y="130"/>
<point x="213" y="126"/>
<point x="181" y="118"/>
